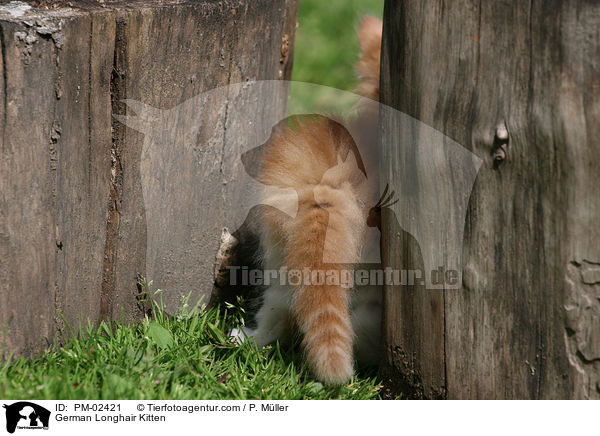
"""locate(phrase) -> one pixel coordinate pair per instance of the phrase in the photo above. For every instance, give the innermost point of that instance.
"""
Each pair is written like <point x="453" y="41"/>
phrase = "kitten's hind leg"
<point x="272" y="318"/>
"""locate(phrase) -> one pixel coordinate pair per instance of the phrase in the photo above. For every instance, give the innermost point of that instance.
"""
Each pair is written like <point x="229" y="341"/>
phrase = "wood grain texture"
<point x="73" y="234"/>
<point x="526" y="322"/>
<point x="245" y="40"/>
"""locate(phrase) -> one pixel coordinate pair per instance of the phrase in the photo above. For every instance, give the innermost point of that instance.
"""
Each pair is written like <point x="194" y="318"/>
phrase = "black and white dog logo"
<point x="26" y="415"/>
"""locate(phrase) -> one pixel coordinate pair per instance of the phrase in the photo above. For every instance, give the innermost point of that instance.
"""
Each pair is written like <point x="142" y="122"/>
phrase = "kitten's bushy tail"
<point x="321" y="310"/>
<point x="367" y="68"/>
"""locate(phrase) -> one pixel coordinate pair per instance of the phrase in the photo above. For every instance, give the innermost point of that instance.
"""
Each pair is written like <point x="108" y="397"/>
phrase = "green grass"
<point x="326" y="49"/>
<point x="185" y="356"/>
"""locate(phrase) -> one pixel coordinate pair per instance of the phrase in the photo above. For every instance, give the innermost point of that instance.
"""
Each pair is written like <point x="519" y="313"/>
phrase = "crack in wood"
<point x="117" y="93"/>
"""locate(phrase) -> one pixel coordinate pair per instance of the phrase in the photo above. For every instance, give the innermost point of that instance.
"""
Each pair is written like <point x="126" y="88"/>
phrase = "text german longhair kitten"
<point x="318" y="158"/>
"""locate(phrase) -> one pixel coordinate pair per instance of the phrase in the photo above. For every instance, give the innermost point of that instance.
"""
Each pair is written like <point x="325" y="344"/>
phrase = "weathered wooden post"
<point x="526" y="321"/>
<point x="72" y="221"/>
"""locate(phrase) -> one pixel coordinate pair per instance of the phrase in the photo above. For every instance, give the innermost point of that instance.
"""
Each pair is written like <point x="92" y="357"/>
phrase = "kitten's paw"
<point x="241" y="334"/>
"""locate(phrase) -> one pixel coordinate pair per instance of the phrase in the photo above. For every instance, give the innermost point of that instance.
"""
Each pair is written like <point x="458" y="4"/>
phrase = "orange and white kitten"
<point x="318" y="158"/>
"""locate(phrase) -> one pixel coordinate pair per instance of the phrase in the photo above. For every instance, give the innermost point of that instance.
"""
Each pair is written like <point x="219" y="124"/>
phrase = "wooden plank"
<point x="28" y="188"/>
<point x="55" y="181"/>
<point x="525" y="323"/>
